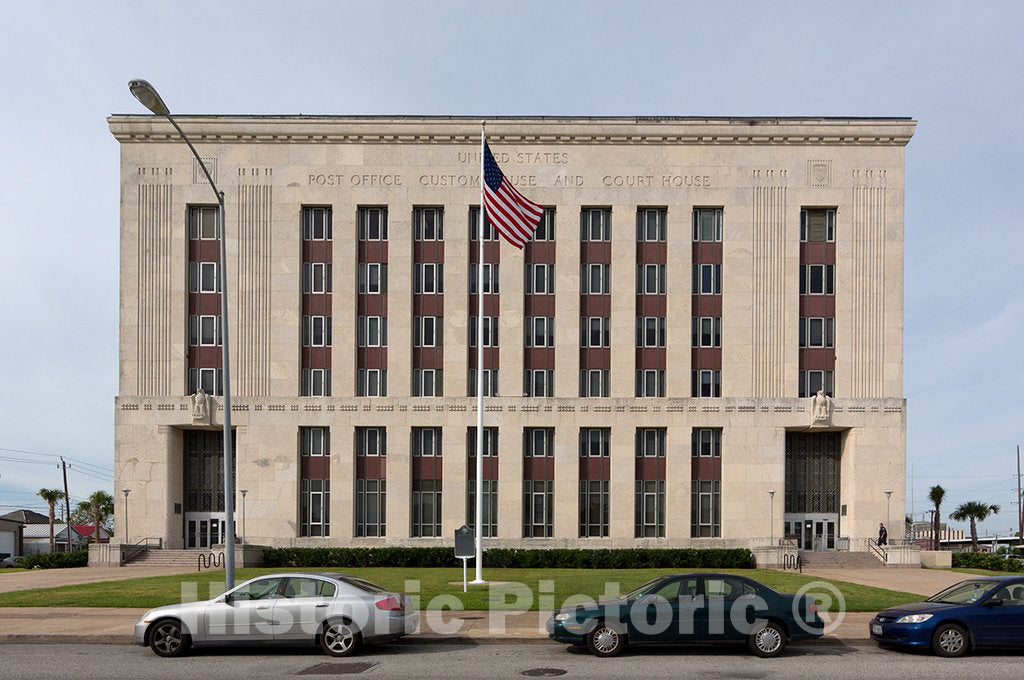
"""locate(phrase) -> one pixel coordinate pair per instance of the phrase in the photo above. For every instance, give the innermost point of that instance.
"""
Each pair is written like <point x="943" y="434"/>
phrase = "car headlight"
<point x="148" y="616"/>
<point x="561" y="616"/>
<point x="914" y="618"/>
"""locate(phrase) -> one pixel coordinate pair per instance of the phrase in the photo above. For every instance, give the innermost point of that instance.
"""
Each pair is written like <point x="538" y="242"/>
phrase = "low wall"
<point x="937" y="559"/>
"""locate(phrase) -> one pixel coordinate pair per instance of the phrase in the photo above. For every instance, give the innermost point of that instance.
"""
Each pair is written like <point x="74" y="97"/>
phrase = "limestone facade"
<point x="759" y="172"/>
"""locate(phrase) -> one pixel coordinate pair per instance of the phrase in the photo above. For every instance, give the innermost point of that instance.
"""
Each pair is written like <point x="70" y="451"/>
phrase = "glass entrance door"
<point x="812" y="532"/>
<point x="203" y="531"/>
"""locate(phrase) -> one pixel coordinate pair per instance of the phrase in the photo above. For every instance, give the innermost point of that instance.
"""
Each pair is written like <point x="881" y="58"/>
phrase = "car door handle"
<point x="264" y="606"/>
<point x="322" y="604"/>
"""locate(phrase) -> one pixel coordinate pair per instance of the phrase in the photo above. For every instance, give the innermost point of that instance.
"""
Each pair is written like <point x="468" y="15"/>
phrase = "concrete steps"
<point x="156" y="557"/>
<point x="840" y="560"/>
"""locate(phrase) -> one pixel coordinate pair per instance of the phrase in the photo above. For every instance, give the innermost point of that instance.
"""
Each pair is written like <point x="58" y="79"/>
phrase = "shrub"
<point x="514" y="558"/>
<point x="982" y="560"/>
<point x="59" y="560"/>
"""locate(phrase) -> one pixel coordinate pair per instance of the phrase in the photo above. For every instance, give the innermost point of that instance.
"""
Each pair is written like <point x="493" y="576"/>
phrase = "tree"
<point x="975" y="512"/>
<point x="52" y="497"/>
<point x="81" y="513"/>
<point x="101" y="505"/>
<point x="935" y="495"/>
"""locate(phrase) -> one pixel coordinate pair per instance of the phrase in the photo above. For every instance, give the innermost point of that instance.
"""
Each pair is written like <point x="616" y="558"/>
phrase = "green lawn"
<point x="160" y="590"/>
<point x="11" y="570"/>
<point x="987" y="572"/>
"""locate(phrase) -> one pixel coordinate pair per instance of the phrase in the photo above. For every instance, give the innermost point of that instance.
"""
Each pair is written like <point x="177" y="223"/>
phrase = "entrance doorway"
<point x="812" y="532"/>
<point x="203" y="530"/>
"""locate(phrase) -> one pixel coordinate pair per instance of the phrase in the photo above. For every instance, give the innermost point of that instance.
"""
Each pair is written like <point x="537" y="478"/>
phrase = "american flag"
<point x="515" y="216"/>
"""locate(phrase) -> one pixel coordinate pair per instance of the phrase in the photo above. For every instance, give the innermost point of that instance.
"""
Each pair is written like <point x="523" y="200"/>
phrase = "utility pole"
<point x="1020" y="504"/>
<point x="67" y="501"/>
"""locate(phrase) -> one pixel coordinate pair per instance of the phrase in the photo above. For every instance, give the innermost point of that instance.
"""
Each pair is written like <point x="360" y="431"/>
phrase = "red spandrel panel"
<point x="706" y="358"/>
<point x="539" y="305"/>
<point x="596" y="252"/>
<point x="428" y="305"/>
<point x="595" y="468"/>
<point x="371" y="467"/>
<point x="706" y="305"/>
<point x="539" y="468"/>
<point x="651" y="253"/>
<point x="706" y="468"/>
<point x="315" y="467"/>
<point x="490" y="467"/>
<point x="541" y="252"/>
<point x="426" y="468"/>
<point x="596" y="305"/>
<point x="707" y="253"/>
<point x="428" y="251"/>
<point x="818" y="253"/>
<point x="372" y="357"/>
<point x="650" y="357"/>
<point x="539" y="357"/>
<point x="817" y="358"/>
<point x="818" y="305"/>
<point x="651" y="305"/>
<point x="428" y="357"/>
<point x="492" y="357"/>
<point x="372" y="305"/>
<point x="595" y="357"/>
<point x="317" y="251"/>
<point x="373" y="251"/>
<point x="650" y="468"/>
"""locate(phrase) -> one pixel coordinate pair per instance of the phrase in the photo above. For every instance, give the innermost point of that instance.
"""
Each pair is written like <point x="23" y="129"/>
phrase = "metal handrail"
<point x="133" y="550"/>
<point x="879" y="552"/>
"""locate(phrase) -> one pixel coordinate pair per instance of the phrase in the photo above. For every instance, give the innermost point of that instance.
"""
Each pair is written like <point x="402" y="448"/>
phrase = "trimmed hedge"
<point x="514" y="558"/>
<point x="59" y="560"/>
<point x="983" y="560"/>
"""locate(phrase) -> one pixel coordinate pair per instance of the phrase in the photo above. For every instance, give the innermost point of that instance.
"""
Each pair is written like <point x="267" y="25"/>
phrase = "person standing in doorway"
<point x="883" y="534"/>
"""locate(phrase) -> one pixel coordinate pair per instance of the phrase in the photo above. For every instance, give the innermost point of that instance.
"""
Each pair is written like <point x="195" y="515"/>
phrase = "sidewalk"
<point x="98" y="625"/>
<point x="52" y="578"/>
<point x="917" y="581"/>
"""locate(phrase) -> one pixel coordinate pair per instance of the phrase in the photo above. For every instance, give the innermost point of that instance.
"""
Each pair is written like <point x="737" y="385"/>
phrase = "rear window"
<point x="364" y="585"/>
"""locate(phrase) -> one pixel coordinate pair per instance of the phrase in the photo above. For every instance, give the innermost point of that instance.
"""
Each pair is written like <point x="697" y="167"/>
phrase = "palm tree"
<point x="975" y="512"/>
<point x="102" y="506"/>
<point x="52" y="497"/>
<point x="935" y="495"/>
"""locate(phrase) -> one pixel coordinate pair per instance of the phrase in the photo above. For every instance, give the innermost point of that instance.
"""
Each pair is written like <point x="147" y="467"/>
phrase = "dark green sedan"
<point x="684" y="608"/>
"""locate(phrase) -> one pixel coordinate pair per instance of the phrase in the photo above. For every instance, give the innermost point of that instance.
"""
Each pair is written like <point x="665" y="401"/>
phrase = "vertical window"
<point x="316" y="382"/>
<point x="540" y="279"/>
<point x="707" y="225"/>
<point x="372" y="382"/>
<point x="490" y="442"/>
<point x="490" y="331"/>
<point x="539" y="331"/>
<point x="594" y="279"/>
<point x="316" y="277"/>
<point x="428" y="224"/>
<point x="373" y="278"/>
<point x="202" y="222"/>
<point x="650" y="442"/>
<point x="705" y="509"/>
<point x="538" y="442"/>
<point x="546" y="228"/>
<point x="490" y="233"/>
<point x="595" y="224"/>
<point x="817" y="279"/>
<point x="426" y="508"/>
<point x="595" y="331"/>
<point x="316" y="224"/>
<point x="817" y="332"/>
<point x="650" y="331"/>
<point x="204" y="330"/>
<point x="650" y="279"/>
<point x="371" y="507"/>
<point x="707" y="331"/>
<point x="372" y="331"/>
<point x="490" y="506"/>
<point x="538" y="508"/>
<point x="812" y="381"/>
<point x="650" y="382"/>
<point x="595" y="442"/>
<point x="429" y="277"/>
<point x="316" y="331"/>
<point x="594" y="508"/>
<point x="649" y="509"/>
<point x="490" y="382"/>
<point x="427" y="382"/>
<point x="706" y="442"/>
<point x="538" y="382"/>
<point x="315" y="441"/>
<point x="426" y="441"/>
<point x="650" y="224"/>
<point x="314" y="483"/>
<point x="426" y="331"/>
<point x="373" y="224"/>
<point x="706" y="383"/>
<point x="707" y="279"/>
<point x="817" y="225"/>
<point x="490" y="278"/>
<point x="594" y="382"/>
<point x="371" y="441"/>
<point x="211" y="380"/>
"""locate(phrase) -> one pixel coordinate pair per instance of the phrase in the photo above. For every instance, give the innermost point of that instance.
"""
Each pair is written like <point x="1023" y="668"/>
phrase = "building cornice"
<point x="129" y="129"/>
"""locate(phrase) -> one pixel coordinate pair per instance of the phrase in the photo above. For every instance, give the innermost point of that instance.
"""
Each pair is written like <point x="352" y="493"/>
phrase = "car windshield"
<point x="964" y="593"/>
<point x="642" y="589"/>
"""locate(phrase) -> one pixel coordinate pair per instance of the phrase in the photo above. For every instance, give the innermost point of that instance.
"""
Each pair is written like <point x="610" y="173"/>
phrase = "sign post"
<point x="465" y="548"/>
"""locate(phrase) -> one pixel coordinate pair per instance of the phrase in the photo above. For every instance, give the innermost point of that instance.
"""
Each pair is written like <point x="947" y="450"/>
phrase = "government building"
<point x="702" y="346"/>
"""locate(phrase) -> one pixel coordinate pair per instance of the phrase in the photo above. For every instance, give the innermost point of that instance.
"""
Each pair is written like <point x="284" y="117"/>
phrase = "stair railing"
<point x="878" y="551"/>
<point x="133" y="550"/>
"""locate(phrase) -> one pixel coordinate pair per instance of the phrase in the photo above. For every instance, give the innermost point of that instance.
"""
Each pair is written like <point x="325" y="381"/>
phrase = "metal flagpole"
<point x="480" y="373"/>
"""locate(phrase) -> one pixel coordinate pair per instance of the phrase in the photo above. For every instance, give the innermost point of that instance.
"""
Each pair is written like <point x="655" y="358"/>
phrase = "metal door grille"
<point x="204" y="470"/>
<point x="812" y="472"/>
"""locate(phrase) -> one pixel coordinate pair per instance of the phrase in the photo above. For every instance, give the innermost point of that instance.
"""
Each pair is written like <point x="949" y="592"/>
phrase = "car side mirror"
<point x="228" y="599"/>
<point x="994" y="602"/>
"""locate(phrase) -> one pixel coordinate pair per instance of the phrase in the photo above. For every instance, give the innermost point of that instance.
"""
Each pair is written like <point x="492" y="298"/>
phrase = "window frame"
<point x="603" y="228"/>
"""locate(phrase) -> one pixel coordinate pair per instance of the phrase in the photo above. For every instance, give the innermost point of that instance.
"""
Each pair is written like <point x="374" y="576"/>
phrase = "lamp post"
<point x="888" y="495"/>
<point x="125" y="492"/>
<point x="771" y="515"/>
<point x="243" y="492"/>
<point x="150" y="98"/>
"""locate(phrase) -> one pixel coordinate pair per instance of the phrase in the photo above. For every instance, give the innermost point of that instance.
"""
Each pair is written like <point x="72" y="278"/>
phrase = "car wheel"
<point x="340" y="638"/>
<point x="950" y="640"/>
<point x="606" y="641"/>
<point x="167" y="639"/>
<point x="768" y="641"/>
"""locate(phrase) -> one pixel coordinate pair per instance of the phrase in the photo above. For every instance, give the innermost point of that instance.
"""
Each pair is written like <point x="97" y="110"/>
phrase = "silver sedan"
<point x="337" y="612"/>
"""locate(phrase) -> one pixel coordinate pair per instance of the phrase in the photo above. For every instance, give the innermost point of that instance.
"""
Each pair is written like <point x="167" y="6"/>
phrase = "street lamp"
<point x="888" y="495"/>
<point x="150" y="98"/>
<point x="243" y="492"/>
<point x="125" y="492"/>
<point x="771" y="514"/>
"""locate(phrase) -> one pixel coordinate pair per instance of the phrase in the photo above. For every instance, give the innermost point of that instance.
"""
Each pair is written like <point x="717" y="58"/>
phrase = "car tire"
<point x="340" y="638"/>
<point x="950" y="640"/>
<point x="768" y="641"/>
<point x="605" y="640"/>
<point x="168" y="639"/>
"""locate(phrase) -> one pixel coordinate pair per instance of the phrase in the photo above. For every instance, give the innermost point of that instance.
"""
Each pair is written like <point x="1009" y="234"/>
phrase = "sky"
<point x="955" y="67"/>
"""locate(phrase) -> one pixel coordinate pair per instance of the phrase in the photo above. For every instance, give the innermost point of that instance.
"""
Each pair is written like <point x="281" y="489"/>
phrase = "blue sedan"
<point x="981" y="612"/>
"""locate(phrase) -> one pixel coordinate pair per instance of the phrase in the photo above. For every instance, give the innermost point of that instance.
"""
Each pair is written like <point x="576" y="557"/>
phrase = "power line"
<point x="54" y="455"/>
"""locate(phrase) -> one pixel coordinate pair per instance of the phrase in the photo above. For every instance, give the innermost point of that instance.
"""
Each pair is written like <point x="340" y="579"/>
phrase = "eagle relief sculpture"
<point x="200" y="407"/>
<point x="821" y="408"/>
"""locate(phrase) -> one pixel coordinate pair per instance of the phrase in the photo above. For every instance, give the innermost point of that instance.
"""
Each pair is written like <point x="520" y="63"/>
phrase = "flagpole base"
<point x="476" y="582"/>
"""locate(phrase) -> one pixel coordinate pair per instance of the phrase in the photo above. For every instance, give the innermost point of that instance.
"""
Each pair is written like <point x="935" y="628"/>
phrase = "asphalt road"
<point x="835" y="661"/>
